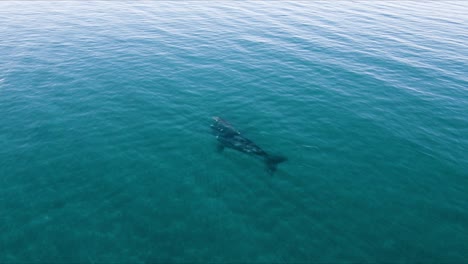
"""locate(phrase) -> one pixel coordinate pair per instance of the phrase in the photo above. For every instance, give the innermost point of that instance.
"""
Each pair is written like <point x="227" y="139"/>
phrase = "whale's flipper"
<point x="219" y="147"/>
<point x="272" y="161"/>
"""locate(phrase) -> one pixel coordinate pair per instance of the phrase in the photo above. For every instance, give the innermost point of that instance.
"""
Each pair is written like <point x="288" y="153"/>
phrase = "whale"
<point x="229" y="137"/>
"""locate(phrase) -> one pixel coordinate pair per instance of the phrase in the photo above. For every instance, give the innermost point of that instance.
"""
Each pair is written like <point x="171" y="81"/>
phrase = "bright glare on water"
<point x="106" y="153"/>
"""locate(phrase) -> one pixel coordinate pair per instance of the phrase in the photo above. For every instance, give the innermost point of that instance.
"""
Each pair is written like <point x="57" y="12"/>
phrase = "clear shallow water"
<point x="106" y="154"/>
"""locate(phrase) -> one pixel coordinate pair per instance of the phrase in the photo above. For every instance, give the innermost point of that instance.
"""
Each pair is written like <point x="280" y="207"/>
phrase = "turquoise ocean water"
<point x="106" y="153"/>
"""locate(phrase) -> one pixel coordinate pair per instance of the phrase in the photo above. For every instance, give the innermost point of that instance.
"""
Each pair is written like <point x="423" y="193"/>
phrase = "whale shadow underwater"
<point x="229" y="137"/>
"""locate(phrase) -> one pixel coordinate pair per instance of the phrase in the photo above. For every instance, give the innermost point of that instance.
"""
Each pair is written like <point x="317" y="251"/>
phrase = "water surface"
<point x="106" y="155"/>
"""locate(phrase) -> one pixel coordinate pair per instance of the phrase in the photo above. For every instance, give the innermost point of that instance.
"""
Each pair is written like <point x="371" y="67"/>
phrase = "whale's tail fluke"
<point x="272" y="162"/>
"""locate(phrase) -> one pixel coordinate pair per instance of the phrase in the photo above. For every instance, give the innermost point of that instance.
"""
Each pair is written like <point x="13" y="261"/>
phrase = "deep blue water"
<point x="106" y="153"/>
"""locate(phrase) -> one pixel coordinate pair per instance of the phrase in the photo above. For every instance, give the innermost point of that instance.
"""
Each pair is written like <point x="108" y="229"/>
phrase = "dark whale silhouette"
<point x="229" y="137"/>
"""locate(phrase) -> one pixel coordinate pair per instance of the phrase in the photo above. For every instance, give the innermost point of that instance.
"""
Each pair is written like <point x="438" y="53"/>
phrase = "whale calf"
<point x="229" y="137"/>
